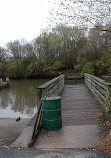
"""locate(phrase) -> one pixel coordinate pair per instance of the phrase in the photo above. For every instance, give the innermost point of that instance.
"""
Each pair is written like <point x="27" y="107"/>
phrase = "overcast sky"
<point x="22" y="19"/>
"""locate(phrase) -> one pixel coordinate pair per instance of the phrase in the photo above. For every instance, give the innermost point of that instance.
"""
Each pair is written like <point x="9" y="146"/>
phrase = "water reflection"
<point x="20" y="99"/>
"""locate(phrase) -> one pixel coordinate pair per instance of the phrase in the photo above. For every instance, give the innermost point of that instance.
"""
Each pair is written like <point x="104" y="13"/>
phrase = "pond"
<point x="20" y="100"/>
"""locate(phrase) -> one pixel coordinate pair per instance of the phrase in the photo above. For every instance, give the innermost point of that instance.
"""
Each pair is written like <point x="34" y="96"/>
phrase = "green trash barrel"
<point x="51" y="107"/>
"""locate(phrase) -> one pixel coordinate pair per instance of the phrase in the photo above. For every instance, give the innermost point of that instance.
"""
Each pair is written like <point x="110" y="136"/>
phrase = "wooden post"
<point x="7" y="79"/>
<point x="74" y="78"/>
<point x="0" y="80"/>
<point x="108" y="99"/>
<point x="39" y="95"/>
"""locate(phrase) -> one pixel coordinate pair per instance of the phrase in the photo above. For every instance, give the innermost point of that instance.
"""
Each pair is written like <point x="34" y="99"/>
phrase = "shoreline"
<point x="4" y="85"/>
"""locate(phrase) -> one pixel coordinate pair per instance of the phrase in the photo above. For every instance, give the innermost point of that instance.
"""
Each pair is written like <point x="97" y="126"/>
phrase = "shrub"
<point x="88" y="68"/>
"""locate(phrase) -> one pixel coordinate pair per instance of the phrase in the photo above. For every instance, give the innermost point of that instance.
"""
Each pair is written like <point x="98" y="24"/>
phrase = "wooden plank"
<point x="78" y="106"/>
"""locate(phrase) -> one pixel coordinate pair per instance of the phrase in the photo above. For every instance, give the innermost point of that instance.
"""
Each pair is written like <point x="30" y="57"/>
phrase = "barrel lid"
<point x="51" y="98"/>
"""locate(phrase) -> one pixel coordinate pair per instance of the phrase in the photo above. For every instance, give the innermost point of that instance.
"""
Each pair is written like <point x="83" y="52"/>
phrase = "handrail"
<point x="52" y="87"/>
<point x="43" y="86"/>
<point x="73" y="78"/>
<point x="100" y="88"/>
<point x="37" y="126"/>
<point x="97" y="79"/>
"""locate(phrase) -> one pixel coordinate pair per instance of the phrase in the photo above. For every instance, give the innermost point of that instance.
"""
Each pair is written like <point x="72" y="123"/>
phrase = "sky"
<point x="22" y="19"/>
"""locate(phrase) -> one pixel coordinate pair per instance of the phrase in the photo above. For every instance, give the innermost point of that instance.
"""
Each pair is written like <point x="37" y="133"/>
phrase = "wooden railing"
<point x="100" y="88"/>
<point x="50" y="88"/>
<point x="73" y="78"/>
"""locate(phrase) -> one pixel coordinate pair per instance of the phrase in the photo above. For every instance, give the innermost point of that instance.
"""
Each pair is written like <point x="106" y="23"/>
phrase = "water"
<point x="20" y="100"/>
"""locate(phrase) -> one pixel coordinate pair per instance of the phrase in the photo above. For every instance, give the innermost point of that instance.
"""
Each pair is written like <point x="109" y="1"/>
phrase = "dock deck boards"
<point x="80" y="121"/>
<point x="78" y="106"/>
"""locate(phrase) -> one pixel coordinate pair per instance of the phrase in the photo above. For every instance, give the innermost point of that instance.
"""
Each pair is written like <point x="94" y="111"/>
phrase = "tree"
<point x="83" y="13"/>
<point x="2" y="53"/>
<point x="15" y="49"/>
<point x="72" y="43"/>
<point x="47" y="46"/>
<point x="28" y="50"/>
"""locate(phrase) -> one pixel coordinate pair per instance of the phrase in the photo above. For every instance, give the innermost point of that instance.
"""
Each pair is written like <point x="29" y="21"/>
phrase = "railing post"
<point x="7" y="79"/>
<point x="74" y="80"/>
<point x="0" y="80"/>
<point x="39" y="95"/>
<point x="63" y="80"/>
<point x="108" y="106"/>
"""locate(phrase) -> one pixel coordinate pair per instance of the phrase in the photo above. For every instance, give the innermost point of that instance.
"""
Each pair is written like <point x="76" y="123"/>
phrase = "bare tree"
<point x="84" y="13"/>
<point x="14" y="48"/>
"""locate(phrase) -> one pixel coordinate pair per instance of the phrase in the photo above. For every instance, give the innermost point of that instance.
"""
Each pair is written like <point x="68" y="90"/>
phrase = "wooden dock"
<point x="80" y="128"/>
<point x="4" y="84"/>
<point x="79" y="112"/>
<point x="78" y="106"/>
<point x="80" y="121"/>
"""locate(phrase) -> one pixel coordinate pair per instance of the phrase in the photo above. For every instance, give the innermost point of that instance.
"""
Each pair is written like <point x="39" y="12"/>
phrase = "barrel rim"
<point x="51" y="98"/>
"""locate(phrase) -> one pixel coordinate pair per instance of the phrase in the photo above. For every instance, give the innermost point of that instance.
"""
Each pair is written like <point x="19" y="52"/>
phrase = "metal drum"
<point x="51" y="107"/>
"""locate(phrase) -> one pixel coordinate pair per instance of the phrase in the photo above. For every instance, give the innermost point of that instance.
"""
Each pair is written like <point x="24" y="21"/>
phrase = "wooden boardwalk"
<point x="78" y="106"/>
<point x="80" y="121"/>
